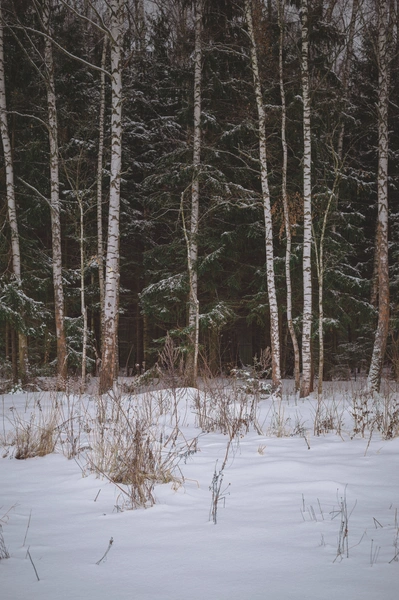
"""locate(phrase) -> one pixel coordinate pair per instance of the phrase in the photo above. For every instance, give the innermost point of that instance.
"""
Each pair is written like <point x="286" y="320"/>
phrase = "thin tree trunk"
<point x="10" y="192"/>
<point x="307" y="377"/>
<point x="14" y="360"/>
<point x="320" y="266"/>
<point x="55" y="202"/>
<point x="111" y="296"/>
<point x="287" y="224"/>
<point x="271" y="288"/>
<point x="100" y="243"/>
<point x="193" y="309"/>
<point x="83" y="307"/>
<point x="377" y="360"/>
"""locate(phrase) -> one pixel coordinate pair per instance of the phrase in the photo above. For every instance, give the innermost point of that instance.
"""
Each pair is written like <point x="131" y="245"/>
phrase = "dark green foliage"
<point x="157" y="175"/>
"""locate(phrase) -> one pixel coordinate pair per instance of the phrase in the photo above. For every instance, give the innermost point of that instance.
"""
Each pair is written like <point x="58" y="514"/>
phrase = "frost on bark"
<point x="287" y="223"/>
<point x="193" y="305"/>
<point x="111" y="292"/>
<point x="55" y="200"/>
<point x="271" y="288"/>
<point x="307" y="377"/>
<point x="11" y="206"/>
<point x="377" y="360"/>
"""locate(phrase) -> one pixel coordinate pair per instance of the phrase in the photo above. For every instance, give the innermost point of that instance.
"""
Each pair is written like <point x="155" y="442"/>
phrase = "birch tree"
<point x="54" y="196"/>
<point x="287" y="224"/>
<point x="381" y="336"/>
<point x="100" y="242"/>
<point x="307" y="377"/>
<point x="193" y="308"/>
<point x="112" y="275"/>
<point x="271" y="288"/>
<point x="10" y="193"/>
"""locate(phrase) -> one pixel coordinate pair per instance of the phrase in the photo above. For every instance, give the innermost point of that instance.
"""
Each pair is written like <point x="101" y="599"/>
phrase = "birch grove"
<point x="262" y="126"/>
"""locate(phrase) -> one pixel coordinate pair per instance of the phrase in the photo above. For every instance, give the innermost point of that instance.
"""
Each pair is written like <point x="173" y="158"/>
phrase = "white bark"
<point x="377" y="360"/>
<point x="307" y="379"/>
<point x="55" y="200"/>
<point x="10" y="192"/>
<point x="193" y="311"/>
<point x="271" y="288"/>
<point x="100" y="243"/>
<point x="287" y="224"/>
<point x="83" y="307"/>
<point x="111" y="296"/>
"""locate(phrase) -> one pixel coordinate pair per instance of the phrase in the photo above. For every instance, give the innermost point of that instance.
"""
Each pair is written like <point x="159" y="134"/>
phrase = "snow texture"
<point x="278" y="529"/>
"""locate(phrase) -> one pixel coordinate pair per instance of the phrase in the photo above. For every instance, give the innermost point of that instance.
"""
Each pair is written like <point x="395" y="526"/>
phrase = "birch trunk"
<point x="55" y="201"/>
<point x="10" y="193"/>
<point x="111" y="292"/>
<point x="287" y="224"/>
<point x="100" y="243"/>
<point x="83" y="307"/>
<point x="271" y="288"/>
<point x="193" y="307"/>
<point x="377" y="360"/>
<point x="307" y="377"/>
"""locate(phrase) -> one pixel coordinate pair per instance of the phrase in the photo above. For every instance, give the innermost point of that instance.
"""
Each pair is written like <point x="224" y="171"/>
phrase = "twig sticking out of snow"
<point x="111" y="541"/>
<point x="33" y="564"/>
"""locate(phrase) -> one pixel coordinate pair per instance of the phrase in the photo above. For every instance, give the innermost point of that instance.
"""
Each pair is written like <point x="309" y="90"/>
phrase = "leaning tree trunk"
<point x="111" y="292"/>
<point x="193" y="305"/>
<point x="55" y="202"/>
<point x="271" y="288"/>
<point x="10" y="192"/>
<point x="381" y="336"/>
<point x="287" y="224"/>
<point x="307" y="377"/>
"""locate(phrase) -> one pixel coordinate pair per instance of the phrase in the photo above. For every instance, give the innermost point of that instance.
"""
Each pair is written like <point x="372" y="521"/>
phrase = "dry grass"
<point x="34" y="430"/>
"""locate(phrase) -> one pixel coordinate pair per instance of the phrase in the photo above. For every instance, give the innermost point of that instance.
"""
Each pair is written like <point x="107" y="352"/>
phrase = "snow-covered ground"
<point x="300" y="515"/>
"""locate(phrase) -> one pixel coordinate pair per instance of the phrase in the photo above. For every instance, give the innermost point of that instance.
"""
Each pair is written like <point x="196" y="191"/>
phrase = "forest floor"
<point x="223" y="494"/>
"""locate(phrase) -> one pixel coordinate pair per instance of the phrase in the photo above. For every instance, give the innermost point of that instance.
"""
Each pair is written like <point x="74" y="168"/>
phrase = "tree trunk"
<point x="10" y="192"/>
<point x="271" y="288"/>
<point x="307" y="378"/>
<point x="83" y="307"/>
<point x="287" y="224"/>
<point x="377" y="360"/>
<point x="100" y="243"/>
<point x="55" y="202"/>
<point x="193" y="308"/>
<point x="111" y="295"/>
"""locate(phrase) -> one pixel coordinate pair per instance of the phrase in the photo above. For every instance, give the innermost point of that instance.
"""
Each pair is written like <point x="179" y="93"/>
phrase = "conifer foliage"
<point x="218" y="174"/>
